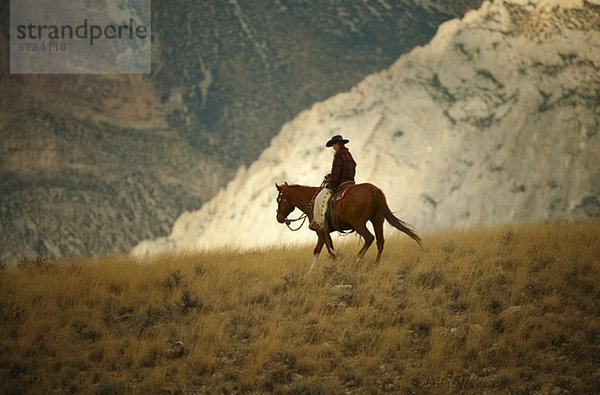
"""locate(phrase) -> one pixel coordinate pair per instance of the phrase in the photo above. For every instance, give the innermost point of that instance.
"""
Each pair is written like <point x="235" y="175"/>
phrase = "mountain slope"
<point x="495" y="120"/>
<point x="79" y="184"/>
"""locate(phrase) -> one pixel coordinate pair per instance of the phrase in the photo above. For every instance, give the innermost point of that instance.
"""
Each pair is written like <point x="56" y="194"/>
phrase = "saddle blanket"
<point x="342" y="191"/>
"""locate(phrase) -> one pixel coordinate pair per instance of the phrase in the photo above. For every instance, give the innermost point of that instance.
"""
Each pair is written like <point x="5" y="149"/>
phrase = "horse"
<point x="361" y="203"/>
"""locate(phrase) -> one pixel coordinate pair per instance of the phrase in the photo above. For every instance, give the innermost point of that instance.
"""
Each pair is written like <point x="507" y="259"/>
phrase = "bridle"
<point x="302" y="217"/>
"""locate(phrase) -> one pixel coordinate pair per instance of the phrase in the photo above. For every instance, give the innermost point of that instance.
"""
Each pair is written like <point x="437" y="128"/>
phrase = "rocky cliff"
<point x="231" y="73"/>
<point x="93" y="164"/>
<point x="495" y="120"/>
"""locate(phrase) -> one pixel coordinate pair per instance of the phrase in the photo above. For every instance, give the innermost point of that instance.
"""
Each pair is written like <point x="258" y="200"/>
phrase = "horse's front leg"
<point x="317" y="251"/>
<point x="329" y="244"/>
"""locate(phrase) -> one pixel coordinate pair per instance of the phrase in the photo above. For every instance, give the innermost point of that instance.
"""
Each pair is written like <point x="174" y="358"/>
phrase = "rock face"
<point x="495" y="120"/>
<point x="231" y="73"/>
<point x="75" y="181"/>
<point x="94" y="164"/>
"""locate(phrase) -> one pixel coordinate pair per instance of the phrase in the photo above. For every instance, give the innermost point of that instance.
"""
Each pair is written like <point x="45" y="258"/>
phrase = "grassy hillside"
<point x="509" y="309"/>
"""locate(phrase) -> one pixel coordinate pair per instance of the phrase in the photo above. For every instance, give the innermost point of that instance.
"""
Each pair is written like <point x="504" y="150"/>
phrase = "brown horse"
<point x="361" y="203"/>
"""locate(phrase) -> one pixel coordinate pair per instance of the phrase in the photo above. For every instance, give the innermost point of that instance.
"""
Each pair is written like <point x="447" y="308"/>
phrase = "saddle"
<point x="341" y="192"/>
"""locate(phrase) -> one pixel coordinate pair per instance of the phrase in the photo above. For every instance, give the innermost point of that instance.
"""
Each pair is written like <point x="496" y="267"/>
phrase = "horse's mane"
<point x="300" y="186"/>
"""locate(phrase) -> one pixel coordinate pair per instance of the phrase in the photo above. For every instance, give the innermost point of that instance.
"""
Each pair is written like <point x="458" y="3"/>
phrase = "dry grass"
<point x="511" y="309"/>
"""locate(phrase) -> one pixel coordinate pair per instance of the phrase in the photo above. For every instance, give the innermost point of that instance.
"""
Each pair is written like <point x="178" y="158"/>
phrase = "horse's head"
<point x="284" y="207"/>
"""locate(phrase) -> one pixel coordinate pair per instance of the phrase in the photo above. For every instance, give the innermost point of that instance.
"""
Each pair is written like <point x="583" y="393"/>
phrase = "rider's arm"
<point x="336" y="170"/>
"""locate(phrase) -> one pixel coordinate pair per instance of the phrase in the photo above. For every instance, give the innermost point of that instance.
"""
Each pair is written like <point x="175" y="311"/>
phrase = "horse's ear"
<point x="278" y="187"/>
<point x="285" y="183"/>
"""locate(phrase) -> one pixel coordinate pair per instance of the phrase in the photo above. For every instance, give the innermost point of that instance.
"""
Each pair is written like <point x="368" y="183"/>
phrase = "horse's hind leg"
<point x="367" y="236"/>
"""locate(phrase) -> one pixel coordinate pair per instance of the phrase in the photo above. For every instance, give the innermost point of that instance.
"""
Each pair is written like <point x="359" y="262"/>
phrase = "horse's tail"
<point x="392" y="219"/>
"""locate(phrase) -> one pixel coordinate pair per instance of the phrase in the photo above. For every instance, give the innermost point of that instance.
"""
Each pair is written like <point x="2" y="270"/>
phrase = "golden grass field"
<point x="512" y="309"/>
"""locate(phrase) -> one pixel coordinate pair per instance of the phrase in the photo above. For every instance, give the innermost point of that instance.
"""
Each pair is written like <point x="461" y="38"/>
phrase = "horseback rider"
<point x="343" y="171"/>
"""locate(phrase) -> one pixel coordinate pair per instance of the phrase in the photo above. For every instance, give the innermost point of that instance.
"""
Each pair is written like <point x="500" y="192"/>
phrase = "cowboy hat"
<point x="336" y="139"/>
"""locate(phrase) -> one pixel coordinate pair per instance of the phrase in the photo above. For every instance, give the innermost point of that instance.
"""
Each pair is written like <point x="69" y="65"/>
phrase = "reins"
<point x="302" y="217"/>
